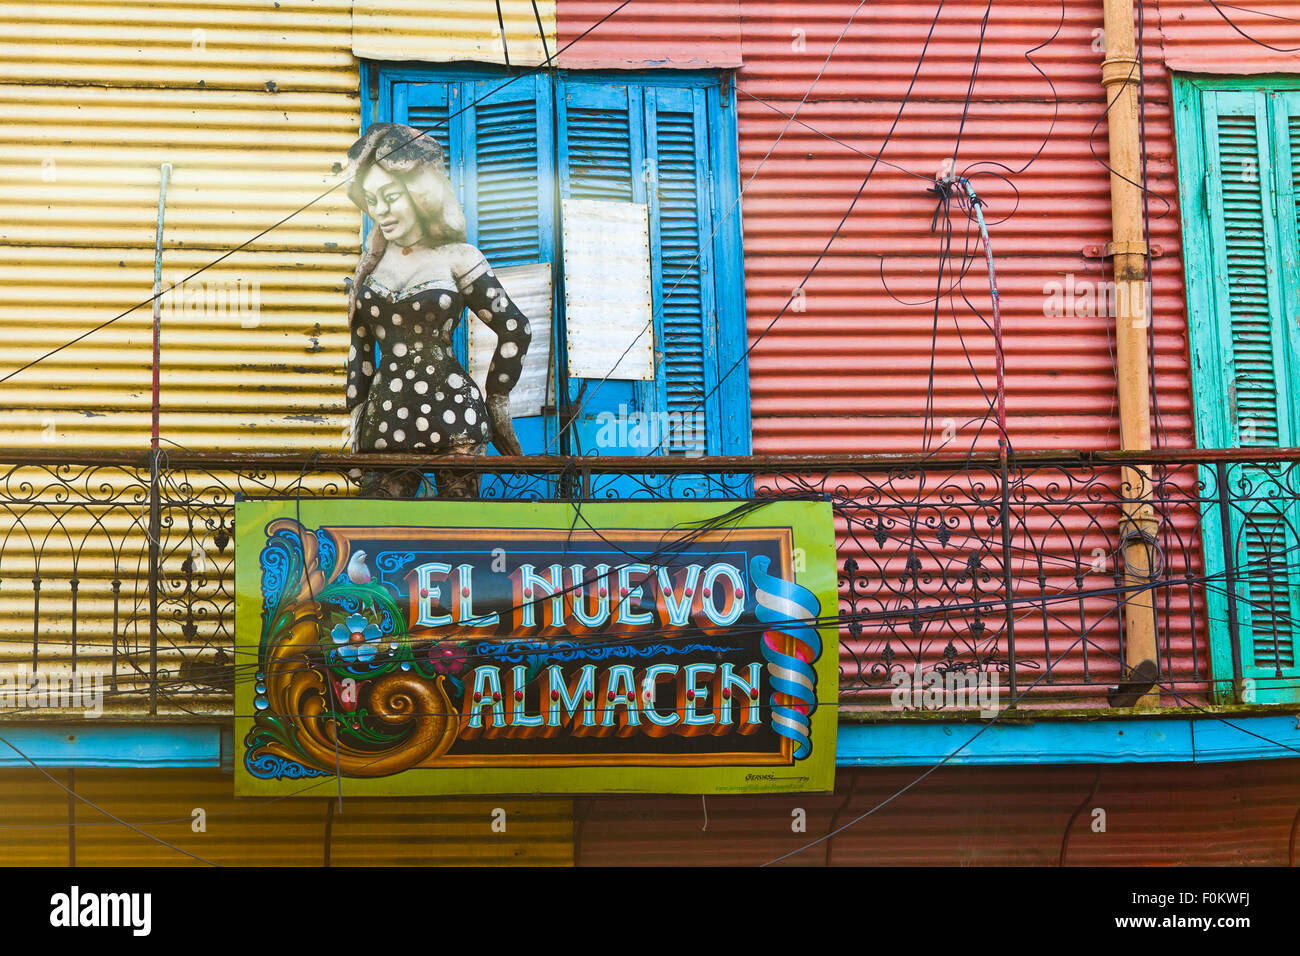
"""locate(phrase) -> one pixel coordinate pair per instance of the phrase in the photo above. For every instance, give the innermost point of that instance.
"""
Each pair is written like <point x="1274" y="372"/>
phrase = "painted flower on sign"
<point x="357" y="639"/>
<point x="447" y="660"/>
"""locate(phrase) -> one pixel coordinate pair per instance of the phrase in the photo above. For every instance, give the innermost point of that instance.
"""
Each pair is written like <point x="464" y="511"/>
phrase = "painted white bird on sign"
<point x="357" y="571"/>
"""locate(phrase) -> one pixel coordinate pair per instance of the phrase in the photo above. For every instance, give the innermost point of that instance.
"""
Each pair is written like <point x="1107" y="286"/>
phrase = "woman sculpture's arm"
<point x="488" y="300"/>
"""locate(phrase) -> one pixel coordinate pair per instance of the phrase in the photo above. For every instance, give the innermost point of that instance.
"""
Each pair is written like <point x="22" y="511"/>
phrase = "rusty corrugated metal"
<point x="459" y="30"/>
<point x="1156" y="815"/>
<point x="35" y="813"/>
<point x="1198" y="38"/>
<point x="649" y="33"/>
<point x="848" y="368"/>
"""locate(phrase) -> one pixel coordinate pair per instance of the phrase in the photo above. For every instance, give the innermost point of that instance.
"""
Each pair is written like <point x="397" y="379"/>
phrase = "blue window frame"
<point x="519" y="145"/>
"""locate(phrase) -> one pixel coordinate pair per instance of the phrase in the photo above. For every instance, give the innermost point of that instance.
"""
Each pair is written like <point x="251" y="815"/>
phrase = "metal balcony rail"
<point x="122" y="565"/>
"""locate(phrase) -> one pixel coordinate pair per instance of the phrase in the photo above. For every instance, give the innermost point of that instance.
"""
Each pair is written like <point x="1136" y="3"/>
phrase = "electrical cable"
<point x="1267" y="46"/>
<point x="667" y="295"/>
<point x="243" y="245"/>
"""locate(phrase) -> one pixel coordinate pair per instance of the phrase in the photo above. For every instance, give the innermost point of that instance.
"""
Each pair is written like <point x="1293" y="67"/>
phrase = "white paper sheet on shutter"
<point x="607" y="303"/>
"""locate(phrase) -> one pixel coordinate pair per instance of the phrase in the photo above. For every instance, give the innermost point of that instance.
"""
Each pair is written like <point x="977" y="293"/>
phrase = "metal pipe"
<point x="999" y="359"/>
<point x="166" y="175"/>
<point x="1119" y="75"/>
<point x="155" y="511"/>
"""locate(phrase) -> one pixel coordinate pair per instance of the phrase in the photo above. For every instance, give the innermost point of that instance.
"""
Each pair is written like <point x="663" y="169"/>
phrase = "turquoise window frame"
<point x="1209" y="341"/>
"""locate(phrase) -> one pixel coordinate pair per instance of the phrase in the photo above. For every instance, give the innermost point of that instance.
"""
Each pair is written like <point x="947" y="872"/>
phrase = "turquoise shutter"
<point x="1257" y="398"/>
<point x="1245" y="244"/>
<point x="1285" y="108"/>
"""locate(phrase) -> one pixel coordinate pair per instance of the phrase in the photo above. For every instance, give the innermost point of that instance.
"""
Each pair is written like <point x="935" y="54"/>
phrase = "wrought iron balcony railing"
<point x="122" y="565"/>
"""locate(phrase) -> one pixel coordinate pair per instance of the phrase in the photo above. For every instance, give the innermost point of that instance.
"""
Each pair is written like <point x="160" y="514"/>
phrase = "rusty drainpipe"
<point x="1120" y="71"/>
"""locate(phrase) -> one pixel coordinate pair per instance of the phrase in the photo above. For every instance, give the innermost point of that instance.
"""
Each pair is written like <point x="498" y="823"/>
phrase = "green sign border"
<point x="812" y="531"/>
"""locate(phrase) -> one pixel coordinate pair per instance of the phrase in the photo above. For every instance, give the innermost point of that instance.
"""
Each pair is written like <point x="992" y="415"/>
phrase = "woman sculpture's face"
<point x="390" y="206"/>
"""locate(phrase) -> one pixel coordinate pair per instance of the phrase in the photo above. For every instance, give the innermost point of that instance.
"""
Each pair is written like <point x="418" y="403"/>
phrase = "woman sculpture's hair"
<point x="416" y="160"/>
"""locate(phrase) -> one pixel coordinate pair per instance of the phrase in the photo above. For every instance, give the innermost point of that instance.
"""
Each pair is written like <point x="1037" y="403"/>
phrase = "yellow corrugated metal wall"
<point x="463" y="30"/>
<point x="33" y="819"/>
<point x="254" y="104"/>
<point x="35" y="813"/>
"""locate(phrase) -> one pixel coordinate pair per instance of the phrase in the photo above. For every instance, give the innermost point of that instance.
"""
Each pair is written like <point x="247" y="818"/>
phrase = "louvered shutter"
<point x="427" y="107"/>
<point x="602" y="157"/>
<point x="509" y="202"/>
<point x="1248" y="232"/>
<point x="1270" y="608"/>
<point x="1244" y="237"/>
<point x="649" y="142"/>
<point x="497" y="134"/>
<point x="682" y="269"/>
<point x="512" y="169"/>
<point x="655" y="141"/>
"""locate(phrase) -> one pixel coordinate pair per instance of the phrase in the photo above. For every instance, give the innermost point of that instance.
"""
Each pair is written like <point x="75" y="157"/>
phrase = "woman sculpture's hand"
<point x="503" y="430"/>
<point x="352" y="432"/>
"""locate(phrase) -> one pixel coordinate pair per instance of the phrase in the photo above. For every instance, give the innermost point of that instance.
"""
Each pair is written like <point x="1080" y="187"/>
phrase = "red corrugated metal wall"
<point x="1158" y="814"/>
<point x="1235" y="38"/>
<point x="648" y="34"/>
<point x="855" y="371"/>
<point x="852" y="373"/>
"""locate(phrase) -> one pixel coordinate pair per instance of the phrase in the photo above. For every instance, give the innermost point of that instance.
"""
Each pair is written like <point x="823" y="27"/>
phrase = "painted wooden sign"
<point x="417" y="647"/>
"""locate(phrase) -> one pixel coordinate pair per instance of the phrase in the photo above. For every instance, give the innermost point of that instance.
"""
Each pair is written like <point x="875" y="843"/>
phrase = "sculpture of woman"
<point x="406" y="391"/>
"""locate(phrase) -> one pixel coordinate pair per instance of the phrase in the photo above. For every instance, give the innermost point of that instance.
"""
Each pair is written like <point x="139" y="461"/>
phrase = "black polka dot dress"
<point x="417" y="396"/>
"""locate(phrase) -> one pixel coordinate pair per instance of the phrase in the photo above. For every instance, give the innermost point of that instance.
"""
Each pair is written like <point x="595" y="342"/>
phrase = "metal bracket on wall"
<point x="1121" y="248"/>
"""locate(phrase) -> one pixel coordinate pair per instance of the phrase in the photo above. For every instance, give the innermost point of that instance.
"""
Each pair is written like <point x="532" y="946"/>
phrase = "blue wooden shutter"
<point x="498" y="137"/>
<point x="509" y="137"/>
<point x="682" y="270"/>
<point x="1245" y="161"/>
<point x="602" y="156"/>
<point x="427" y="107"/>
<point x="654" y="142"/>
<point x="667" y="144"/>
<point x="509" y="209"/>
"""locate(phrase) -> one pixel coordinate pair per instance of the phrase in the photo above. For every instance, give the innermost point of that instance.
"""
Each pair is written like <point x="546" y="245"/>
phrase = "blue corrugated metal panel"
<point x="135" y="746"/>
<point x="1191" y="740"/>
<point x="1175" y="740"/>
